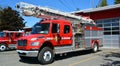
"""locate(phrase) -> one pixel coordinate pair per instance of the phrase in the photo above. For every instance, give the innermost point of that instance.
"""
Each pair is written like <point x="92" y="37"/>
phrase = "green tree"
<point x="10" y="20"/>
<point x="117" y="2"/>
<point x="0" y="14"/>
<point x="102" y="3"/>
<point x="0" y="8"/>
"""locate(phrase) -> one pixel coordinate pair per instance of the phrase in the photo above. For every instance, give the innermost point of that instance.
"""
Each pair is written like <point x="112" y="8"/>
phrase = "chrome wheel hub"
<point x="47" y="56"/>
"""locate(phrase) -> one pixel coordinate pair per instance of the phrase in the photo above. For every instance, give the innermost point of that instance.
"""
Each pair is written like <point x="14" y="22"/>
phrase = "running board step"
<point x="65" y="49"/>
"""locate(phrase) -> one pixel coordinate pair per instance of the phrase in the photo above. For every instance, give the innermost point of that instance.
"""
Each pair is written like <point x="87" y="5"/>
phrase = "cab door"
<point x="66" y="35"/>
<point x="62" y="34"/>
<point x="10" y="38"/>
<point x="55" y="34"/>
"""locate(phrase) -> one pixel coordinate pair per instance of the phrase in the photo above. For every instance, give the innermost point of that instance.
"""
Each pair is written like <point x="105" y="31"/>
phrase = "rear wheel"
<point x="2" y="47"/>
<point x="95" y="47"/>
<point x="46" y="55"/>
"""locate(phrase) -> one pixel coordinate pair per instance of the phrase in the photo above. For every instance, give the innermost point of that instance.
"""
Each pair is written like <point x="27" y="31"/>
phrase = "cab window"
<point x="66" y="29"/>
<point x="54" y="28"/>
<point x="18" y="34"/>
<point x="9" y="34"/>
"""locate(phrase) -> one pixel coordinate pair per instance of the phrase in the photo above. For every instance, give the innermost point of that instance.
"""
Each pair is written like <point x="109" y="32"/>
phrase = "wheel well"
<point x="47" y="44"/>
<point x="3" y="43"/>
<point x="95" y="42"/>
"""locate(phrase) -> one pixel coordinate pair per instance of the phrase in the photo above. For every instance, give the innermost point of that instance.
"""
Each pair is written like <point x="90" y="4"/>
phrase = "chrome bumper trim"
<point x="28" y="53"/>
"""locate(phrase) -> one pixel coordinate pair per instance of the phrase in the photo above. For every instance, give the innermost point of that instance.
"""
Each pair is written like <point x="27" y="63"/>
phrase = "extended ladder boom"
<point x="43" y="12"/>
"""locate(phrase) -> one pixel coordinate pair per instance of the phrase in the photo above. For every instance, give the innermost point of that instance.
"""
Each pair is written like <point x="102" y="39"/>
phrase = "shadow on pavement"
<point x="72" y="54"/>
<point x="30" y="61"/>
<point x="113" y="54"/>
<point x="58" y="57"/>
<point x="111" y="62"/>
<point x="8" y="50"/>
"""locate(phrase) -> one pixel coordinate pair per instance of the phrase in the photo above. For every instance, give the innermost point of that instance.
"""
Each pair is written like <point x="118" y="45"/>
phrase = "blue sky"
<point x="62" y="5"/>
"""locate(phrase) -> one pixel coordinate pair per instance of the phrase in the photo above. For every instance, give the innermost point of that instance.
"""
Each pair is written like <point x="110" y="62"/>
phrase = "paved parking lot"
<point x="105" y="57"/>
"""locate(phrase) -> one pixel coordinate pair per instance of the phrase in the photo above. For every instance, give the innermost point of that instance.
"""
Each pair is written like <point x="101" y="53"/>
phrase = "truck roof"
<point x="56" y="21"/>
<point x="13" y="31"/>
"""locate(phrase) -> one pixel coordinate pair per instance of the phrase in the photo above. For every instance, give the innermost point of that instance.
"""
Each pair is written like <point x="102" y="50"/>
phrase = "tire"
<point x="3" y="47"/>
<point x="95" y="48"/>
<point x="46" y="55"/>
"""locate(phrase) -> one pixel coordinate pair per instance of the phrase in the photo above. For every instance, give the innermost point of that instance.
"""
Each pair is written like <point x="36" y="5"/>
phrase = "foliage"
<point x="117" y="2"/>
<point x="0" y="7"/>
<point x="102" y="3"/>
<point x="10" y="20"/>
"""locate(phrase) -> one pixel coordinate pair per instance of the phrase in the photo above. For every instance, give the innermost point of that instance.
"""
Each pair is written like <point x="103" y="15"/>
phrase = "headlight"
<point x="35" y="43"/>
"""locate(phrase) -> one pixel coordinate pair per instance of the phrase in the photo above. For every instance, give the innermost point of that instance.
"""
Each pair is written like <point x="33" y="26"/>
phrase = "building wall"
<point x="102" y="14"/>
<point x="109" y="20"/>
<point x="111" y="26"/>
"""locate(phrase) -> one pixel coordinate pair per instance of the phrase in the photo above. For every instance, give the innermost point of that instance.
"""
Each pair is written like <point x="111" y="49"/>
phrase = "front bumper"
<point x="28" y="53"/>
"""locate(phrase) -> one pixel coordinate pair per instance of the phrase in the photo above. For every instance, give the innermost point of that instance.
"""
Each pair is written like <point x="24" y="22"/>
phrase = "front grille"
<point x="22" y="42"/>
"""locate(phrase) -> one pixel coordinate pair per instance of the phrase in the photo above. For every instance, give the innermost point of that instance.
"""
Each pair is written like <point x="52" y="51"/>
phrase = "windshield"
<point x="41" y="28"/>
<point x="2" y="34"/>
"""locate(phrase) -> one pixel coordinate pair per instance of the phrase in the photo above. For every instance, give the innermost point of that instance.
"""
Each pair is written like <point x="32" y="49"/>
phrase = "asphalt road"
<point x="105" y="57"/>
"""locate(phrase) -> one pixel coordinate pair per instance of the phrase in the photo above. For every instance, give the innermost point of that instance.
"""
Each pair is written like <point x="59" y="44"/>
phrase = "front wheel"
<point x="46" y="55"/>
<point x="2" y="47"/>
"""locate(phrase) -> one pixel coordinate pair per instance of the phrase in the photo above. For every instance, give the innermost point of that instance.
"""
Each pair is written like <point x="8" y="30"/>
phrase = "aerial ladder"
<point x="46" y="13"/>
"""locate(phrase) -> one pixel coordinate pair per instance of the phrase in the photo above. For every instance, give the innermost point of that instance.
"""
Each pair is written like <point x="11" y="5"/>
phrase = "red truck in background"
<point x="8" y="39"/>
<point x="57" y="33"/>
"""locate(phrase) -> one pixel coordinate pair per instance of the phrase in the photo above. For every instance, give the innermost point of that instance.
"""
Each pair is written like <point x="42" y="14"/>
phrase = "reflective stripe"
<point x="4" y="40"/>
<point x="66" y="37"/>
<point x="93" y="37"/>
<point x="49" y="39"/>
<point x="61" y="38"/>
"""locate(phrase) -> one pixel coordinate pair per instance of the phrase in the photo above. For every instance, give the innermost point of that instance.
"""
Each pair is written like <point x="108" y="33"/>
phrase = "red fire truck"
<point x="55" y="35"/>
<point x="8" y="39"/>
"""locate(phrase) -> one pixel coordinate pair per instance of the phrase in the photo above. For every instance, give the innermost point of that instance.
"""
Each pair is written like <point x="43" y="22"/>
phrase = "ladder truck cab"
<point x="57" y="33"/>
<point x="8" y="39"/>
